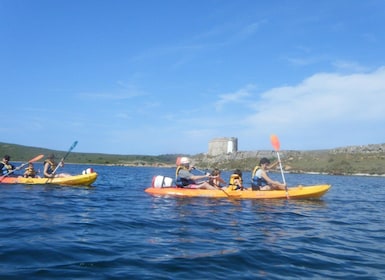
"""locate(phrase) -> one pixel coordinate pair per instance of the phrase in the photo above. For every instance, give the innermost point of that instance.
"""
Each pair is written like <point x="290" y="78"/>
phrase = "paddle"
<point x="219" y="188"/>
<point x="21" y="166"/>
<point x="275" y="142"/>
<point x="66" y="155"/>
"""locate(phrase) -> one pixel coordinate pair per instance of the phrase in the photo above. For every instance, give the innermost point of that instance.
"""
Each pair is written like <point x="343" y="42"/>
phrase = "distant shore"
<point x="368" y="160"/>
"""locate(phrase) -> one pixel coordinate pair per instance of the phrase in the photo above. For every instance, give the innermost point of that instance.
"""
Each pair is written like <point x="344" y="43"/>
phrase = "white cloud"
<point x="350" y="66"/>
<point x="252" y="28"/>
<point x="235" y="97"/>
<point x="333" y="107"/>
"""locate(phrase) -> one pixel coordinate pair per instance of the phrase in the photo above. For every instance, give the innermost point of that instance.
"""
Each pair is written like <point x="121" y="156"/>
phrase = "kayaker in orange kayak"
<point x="216" y="180"/>
<point x="260" y="179"/>
<point x="236" y="182"/>
<point x="186" y="179"/>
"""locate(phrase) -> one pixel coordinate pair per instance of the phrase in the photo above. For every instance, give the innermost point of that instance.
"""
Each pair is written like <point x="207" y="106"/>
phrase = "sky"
<point x="156" y="77"/>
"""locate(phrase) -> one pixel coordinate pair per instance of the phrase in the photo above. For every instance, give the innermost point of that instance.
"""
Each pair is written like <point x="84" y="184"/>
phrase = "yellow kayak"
<point x="76" y="180"/>
<point x="299" y="192"/>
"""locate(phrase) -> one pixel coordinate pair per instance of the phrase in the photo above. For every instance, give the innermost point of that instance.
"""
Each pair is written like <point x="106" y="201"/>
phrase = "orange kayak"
<point x="299" y="192"/>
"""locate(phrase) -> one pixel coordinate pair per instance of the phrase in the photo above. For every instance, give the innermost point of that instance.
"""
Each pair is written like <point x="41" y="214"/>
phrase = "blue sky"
<point x="159" y="77"/>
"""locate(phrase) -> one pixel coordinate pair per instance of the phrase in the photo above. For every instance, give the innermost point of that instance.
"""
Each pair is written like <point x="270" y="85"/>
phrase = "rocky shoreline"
<point x="353" y="160"/>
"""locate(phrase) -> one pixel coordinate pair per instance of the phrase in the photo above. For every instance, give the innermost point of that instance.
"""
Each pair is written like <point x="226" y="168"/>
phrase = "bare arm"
<point x="199" y="177"/>
<point x="272" y="182"/>
<point x="273" y="165"/>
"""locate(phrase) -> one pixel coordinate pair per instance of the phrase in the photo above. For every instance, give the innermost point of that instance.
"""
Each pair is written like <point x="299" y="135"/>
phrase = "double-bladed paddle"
<point x="66" y="155"/>
<point x="21" y="166"/>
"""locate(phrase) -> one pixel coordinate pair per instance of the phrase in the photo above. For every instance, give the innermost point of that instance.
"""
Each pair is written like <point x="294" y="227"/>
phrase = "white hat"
<point x="182" y="160"/>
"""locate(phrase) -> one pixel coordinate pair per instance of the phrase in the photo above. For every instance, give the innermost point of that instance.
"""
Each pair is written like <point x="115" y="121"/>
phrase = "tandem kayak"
<point x="75" y="180"/>
<point x="299" y="192"/>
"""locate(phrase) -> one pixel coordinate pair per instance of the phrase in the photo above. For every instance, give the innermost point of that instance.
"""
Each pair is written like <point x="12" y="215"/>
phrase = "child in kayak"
<point x="30" y="171"/>
<point x="236" y="182"/>
<point x="216" y="180"/>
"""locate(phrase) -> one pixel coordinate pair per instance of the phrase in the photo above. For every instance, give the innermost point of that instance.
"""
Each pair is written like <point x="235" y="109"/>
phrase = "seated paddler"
<point x="236" y="182"/>
<point x="6" y="168"/>
<point x="261" y="181"/>
<point x="216" y="179"/>
<point x="50" y="167"/>
<point x="184" y="178"/>
<point x="30" y="171"/>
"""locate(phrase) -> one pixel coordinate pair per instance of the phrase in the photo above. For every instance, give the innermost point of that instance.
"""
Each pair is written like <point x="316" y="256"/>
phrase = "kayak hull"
<point x="299" y="192"/>
<point x="76" y="180"/>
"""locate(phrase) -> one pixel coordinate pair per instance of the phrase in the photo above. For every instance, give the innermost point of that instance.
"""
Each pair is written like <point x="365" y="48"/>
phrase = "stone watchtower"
<point x="225" y="145"/>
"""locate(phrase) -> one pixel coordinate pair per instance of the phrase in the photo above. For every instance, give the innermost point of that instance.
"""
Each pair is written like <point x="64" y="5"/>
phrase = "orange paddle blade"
<point x="275" y="142"/>
<point x="36" y="158"/>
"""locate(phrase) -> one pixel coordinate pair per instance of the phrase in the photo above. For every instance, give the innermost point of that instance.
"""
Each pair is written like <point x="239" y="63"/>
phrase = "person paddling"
<point x="261" y="181"/>
<point x="5" y="166"/>
<point x="186" y="179"/>
<point x="50" y="166"/>
<point x="216" y="179"/>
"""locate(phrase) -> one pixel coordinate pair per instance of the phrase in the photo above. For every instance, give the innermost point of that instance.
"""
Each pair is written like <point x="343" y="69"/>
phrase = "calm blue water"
<point x="117" y="231"/>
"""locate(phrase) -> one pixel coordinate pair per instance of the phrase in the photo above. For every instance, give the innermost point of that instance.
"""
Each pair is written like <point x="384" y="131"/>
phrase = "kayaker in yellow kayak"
<point x="30" y="171"/>
<point x="5" y="166"/>
<point x="50" y="166"/>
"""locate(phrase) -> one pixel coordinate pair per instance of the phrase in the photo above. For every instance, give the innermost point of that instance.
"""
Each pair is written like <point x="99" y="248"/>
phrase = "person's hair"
<point x="7" y="157"/>
<point x="264" y="160"/>
<point x="215" y="172"/>
<point x="238" y="172"/>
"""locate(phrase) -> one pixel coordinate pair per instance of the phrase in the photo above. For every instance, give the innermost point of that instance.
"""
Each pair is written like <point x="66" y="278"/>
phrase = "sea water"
<point x="114" y="230"/>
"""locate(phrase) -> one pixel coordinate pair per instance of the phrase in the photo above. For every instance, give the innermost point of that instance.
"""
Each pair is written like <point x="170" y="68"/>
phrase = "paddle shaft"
<point x="66" y="155"/>
<point x="283" y="176"/>
<point x="219" y="188"/>
<point x="280" y="167"/>
<point x="276" y="144"/>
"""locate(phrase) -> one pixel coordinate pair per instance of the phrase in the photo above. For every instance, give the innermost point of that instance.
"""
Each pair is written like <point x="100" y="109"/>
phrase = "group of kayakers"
<point x="50" y="166"/>
<point x="213" y="181"/>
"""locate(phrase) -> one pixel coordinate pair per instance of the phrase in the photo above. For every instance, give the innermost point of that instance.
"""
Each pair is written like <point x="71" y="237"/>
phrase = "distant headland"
<point x="357" y="160"/>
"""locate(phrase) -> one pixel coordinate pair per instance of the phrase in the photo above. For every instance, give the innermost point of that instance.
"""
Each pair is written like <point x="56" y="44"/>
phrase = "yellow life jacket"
<point x="178" y="169"/>
<point x="8" y="166"/>
<point x="181" y="182"/>
<point x="6" y="169"/>
<point x="30" y="172"/>
<point x="254" y="171"/>
<point x="51" y="167"/>
<point x="233" y="185"/>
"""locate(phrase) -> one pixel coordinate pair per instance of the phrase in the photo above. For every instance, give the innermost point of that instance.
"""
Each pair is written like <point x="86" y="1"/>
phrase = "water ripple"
<point x="115" y="230"/>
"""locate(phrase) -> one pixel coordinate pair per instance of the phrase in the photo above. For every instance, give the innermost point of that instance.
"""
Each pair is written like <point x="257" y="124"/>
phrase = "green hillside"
<point x="368" y="159"/>
<point x="25" y="153"/>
